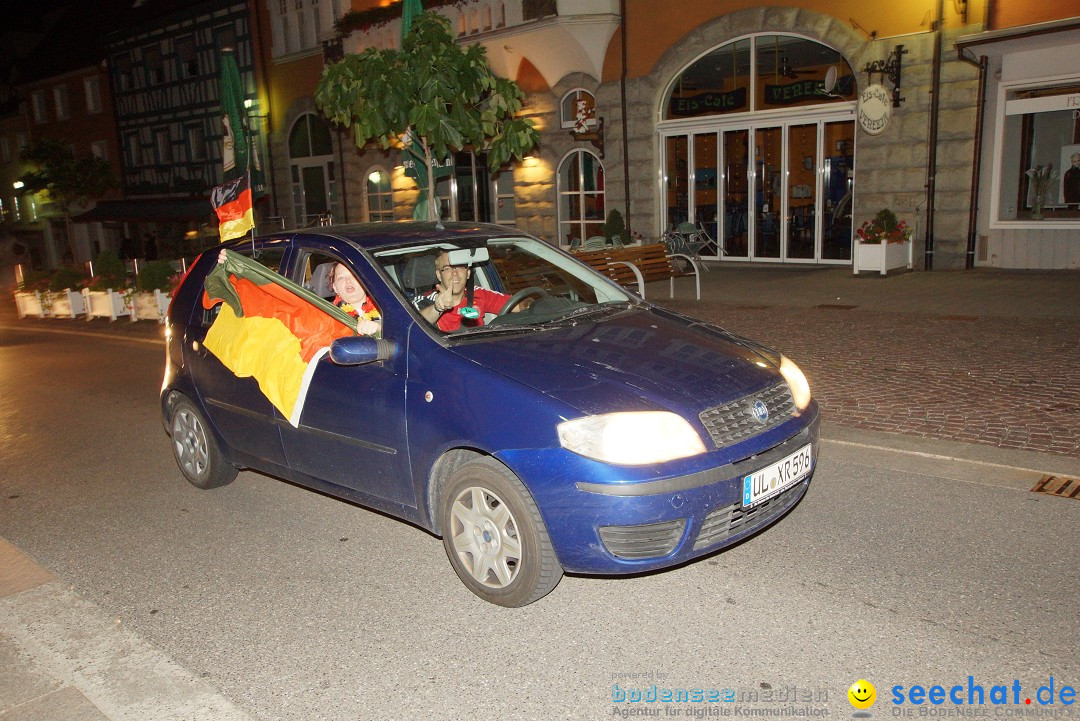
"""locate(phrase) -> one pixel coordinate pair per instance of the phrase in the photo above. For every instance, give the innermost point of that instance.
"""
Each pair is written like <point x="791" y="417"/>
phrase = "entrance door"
<point x="768" y="184"/>
<point x="734" y="189"/>
<point x="801" y="192"/>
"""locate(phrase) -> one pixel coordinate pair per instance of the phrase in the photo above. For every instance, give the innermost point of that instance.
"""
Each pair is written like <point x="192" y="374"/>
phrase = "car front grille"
<point x="730" y="520"/>
<point x="651" y="540"/>
<point x="735" y="421"/>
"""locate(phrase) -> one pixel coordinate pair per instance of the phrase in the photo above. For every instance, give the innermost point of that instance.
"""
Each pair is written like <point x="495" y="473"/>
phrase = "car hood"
<point x="643" y="359"/>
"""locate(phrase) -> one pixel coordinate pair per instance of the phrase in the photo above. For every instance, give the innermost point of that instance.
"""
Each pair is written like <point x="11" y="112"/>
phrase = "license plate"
<point x="773" y="479"/>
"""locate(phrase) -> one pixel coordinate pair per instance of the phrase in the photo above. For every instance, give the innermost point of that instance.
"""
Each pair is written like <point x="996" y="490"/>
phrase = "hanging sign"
<point x="875" y="109"/>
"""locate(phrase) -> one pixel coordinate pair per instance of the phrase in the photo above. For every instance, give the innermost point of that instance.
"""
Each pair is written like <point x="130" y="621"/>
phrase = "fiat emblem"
<point x="760" y="411"/>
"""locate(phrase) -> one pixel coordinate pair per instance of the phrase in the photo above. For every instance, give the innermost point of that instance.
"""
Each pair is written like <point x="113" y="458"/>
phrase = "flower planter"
<point x="67" y="304"/>
<point x="150" y="306"/>
<point x="27" y="303"/>
<point x="882" y="257"/>
<point x="105" y="304"/>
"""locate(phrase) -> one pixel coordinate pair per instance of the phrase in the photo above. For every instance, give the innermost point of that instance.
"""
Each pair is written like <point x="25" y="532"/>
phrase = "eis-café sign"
<point x="875" y="109"/>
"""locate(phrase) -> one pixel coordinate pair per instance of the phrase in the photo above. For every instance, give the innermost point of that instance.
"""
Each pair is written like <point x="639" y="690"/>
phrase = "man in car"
<point x="442" y="307"/>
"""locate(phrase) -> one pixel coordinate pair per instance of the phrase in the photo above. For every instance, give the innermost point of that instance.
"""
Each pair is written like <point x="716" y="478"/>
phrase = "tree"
<point x="67" y="180"/>
<point x="432" y="95"/>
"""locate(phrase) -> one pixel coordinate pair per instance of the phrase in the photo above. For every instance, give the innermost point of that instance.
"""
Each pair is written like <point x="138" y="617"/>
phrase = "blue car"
<point x="549" y="422"/>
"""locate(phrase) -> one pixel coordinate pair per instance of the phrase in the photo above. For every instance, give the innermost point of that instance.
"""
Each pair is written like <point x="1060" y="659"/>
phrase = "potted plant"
<point x="883" y="243"/>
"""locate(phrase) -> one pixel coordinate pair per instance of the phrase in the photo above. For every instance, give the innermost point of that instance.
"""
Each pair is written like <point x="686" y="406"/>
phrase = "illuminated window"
<point x="1040" y="141"/>
<point x="380" y="196"/>
<point x="99" y="149"/>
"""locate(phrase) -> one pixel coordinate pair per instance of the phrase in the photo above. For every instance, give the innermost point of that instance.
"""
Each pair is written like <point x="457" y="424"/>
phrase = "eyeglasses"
<point x="450" y="267"/>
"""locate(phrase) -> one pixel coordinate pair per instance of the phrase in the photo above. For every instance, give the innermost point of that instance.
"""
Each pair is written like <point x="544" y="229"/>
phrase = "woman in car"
<point x="353" y="299"/>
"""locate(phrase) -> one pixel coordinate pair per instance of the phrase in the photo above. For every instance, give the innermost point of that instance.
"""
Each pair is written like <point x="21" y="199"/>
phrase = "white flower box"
<point x="150" y="306"/>
<point x="67" y="304"/>
<point x="27" y="303"/>
<point x="882" y="257"/>
<point x="105" y="304"/>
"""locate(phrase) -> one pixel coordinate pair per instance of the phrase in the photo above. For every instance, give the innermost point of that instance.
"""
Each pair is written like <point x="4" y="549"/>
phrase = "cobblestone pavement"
<point x="991" y="379"/>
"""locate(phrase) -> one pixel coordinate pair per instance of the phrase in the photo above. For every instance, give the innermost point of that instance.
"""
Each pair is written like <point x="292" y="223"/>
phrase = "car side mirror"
<point x="360" y="349"/>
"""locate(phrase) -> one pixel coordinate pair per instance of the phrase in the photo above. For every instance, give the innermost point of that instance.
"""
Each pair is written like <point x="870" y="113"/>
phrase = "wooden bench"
<point x="642" y="264"/>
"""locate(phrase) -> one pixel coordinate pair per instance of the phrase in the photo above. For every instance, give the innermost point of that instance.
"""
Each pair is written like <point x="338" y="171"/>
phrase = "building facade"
<point x="739" y="117"/>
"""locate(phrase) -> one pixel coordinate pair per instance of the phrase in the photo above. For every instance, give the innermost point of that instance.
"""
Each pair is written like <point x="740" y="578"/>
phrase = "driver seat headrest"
<point x="419" y="272"/>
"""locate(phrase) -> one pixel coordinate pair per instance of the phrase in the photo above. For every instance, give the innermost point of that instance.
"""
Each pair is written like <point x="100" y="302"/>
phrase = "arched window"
<point x="581" y="197"/>
<point x="380" y="196"/>
<point x="764" y="72"/>
<point x="312" y="171"/>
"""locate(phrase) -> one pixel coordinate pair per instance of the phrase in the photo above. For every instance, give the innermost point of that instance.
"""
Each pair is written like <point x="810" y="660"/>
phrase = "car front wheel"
<point x="195" y="449"/>
<point x="495" y="537"/>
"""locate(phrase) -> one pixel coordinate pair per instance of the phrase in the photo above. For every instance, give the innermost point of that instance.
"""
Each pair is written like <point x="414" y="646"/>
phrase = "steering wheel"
<point x="516" y="298"/>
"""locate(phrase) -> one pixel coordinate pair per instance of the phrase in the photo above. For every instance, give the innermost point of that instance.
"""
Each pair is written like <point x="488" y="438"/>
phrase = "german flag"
<point x="270" y="329"/>
<point x="232" y="202"/>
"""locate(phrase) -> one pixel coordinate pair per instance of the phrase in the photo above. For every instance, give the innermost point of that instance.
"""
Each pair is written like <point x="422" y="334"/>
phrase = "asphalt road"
<point x="904" y="567"/>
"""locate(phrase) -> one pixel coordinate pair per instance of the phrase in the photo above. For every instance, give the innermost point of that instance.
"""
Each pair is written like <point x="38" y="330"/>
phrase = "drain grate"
<point x="835" y="306"/>
<point x="1058" y="486"/>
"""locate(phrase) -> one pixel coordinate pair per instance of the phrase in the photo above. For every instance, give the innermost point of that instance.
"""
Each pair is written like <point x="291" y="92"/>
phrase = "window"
<point x="122" y="66"/>
<point x="37" y="104"/>
<point x="155" y="66"/>
<point x="196" y="137"/>
<point x="312" y="171"/>
<point x="581" y="197"/>
<point x="132" y="149"/>
<point x="505" y="208"/>
<point x="186" y="57"/>
<point x="92" y="90"/>
<point x="99" y="149"/>
<point x="1039" y="171"/>
<point x="60" y="97"/>
<point x="761" y="73"/>
<point x="5" y="150"/>
<point x="163" y="146"/>
<point x="20" y="142"/>
<point x="578" y="110"/>
<point x="380" y="196"/>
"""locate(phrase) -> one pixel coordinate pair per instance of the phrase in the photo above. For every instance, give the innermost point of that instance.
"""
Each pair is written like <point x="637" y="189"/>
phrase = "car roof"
<point x="370" y="236"/>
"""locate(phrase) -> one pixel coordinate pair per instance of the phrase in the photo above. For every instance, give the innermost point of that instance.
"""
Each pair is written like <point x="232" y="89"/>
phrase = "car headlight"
<point x="631" y="438"/>
<point x="800" y="388"/>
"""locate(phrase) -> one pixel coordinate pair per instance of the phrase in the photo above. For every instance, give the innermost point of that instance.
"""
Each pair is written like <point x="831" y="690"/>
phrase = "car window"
<point x="268" y="257"/>
<point x="316" y="271"/>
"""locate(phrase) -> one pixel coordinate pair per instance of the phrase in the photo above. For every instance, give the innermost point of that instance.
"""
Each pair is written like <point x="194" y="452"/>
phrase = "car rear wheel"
<point x="195" y="449"/>
<point x="495" y="537"/>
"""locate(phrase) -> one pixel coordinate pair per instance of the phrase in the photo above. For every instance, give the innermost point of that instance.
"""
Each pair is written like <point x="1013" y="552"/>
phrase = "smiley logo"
<point x="862" y="694"/>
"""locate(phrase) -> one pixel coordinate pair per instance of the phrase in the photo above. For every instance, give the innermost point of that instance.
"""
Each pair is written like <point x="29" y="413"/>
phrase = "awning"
<point x="148" y="210"/>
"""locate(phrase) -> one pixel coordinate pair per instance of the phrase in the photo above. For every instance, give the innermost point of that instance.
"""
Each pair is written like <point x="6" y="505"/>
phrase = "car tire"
<point x="195" y="449"/>
<point x="494" y="535"/>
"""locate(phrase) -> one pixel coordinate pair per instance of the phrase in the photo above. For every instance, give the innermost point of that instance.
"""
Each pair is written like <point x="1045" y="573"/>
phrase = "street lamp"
<point x="18" y="185"/>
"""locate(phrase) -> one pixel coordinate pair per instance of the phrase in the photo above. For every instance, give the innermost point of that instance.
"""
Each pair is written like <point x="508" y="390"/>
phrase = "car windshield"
<point x="518" y="283"/>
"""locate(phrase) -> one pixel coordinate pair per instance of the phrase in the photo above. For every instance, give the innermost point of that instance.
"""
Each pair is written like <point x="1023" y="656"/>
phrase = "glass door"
<point x="735" y="237"/>
<point x="801" y="192"/>
<point x="768" y="183"/>
<point x="706" y="208"/>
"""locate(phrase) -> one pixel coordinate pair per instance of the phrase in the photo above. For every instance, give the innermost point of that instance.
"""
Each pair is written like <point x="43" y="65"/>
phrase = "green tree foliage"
<point x="67" y="180"/>
<point x="441" y="96"/>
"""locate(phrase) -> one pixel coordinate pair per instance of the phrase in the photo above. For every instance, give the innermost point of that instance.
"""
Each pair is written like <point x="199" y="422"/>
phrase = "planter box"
<point x="150" y="306"/>
<point x="29" y="304"/>
<point x="105" y="304"/>
<point x="67" y="304"/>
<point x="881" y="257"/>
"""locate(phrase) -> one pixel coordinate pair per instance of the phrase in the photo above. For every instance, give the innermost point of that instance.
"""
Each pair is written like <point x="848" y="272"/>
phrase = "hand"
<point x="368" y="327"/>
<point x="221" y="257"/>
<point x="444" y="301"/>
